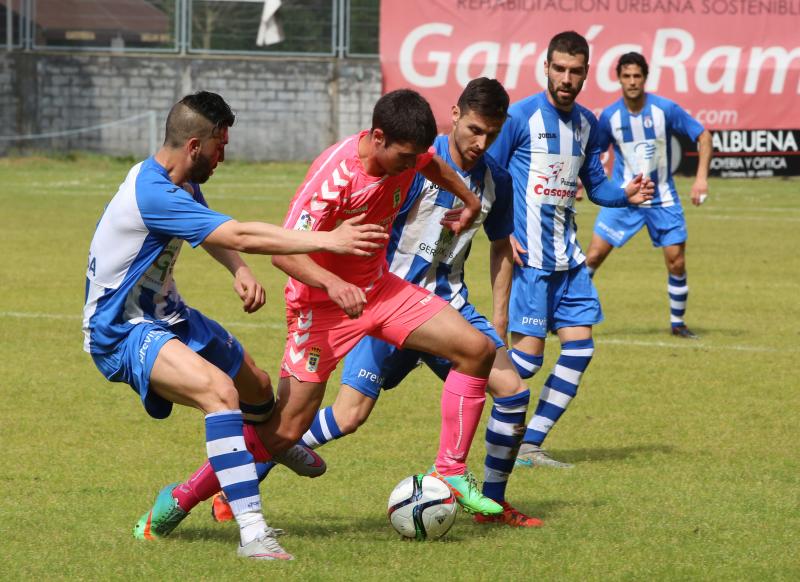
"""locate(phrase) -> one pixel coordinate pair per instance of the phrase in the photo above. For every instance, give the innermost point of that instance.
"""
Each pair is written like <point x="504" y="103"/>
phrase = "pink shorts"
<point x="321" y="334"/>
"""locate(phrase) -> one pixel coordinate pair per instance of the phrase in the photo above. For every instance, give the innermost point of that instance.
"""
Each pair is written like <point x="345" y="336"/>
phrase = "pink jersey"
<point x="335" y="189"/>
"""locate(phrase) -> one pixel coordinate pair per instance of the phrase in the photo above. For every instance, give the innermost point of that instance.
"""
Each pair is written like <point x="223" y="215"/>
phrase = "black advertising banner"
<point x="746" y="153"/>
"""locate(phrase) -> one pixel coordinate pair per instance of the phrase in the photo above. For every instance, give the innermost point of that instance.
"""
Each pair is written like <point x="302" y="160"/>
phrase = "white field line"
<point x="784" y="209"/>
<point x="211" y="197"/>
<point x="65" y="317"/>
<point x="682" y="344"/>
<point x="690" y="345"/>
<point x="751" y="218"/>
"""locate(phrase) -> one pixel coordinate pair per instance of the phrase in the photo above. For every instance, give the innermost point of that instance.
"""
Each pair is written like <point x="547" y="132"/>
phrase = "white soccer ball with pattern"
<point x="422" y="507"/>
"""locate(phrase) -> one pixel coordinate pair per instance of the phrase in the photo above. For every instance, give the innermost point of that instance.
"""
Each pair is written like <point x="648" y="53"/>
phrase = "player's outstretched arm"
<point x="704" y="152"/>
<point x="250" y="291"/>
<point x="349" y="297"/>
<point x="351" y="237"/>
<point x="440" y="173"/>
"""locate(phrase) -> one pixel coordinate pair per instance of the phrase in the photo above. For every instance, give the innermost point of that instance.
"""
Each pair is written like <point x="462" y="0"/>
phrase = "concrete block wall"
<point x="287" y="109"/>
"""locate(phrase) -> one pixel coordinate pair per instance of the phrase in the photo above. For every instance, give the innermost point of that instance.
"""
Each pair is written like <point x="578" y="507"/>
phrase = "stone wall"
<point x="287" y="109"/>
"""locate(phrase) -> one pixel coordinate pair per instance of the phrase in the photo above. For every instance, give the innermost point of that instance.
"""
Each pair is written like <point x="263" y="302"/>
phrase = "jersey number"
<point x="93" y="266"/>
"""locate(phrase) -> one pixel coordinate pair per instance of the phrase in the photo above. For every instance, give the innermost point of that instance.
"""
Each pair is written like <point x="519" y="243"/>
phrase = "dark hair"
<point x="405" y="116"/>
<point x="486" y="97"/>
<point x="569" y="42"/>
<point x="633" y="59"/>
<point x="200" y="114"/>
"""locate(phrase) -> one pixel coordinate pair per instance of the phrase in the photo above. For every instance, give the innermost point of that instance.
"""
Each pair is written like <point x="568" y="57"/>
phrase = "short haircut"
<point x="405" y="116"/>
<point x="486" y="97"/>
<point x="569" y="42"/>
<point x="200" y="115"/>
<point x="633" y="59"/>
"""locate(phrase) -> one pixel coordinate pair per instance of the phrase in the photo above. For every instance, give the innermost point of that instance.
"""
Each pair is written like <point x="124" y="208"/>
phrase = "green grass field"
<point x="686" y="452"/>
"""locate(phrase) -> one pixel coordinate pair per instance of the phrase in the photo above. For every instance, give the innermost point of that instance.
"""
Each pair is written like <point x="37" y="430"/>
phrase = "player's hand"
<point x="500" y="325"/>
<point x="517" y="250"/>
<point x="249" y="290"/>
<point x="353" y="238"/>
<point x="349" y="297"/>
<point x="699" y="191"/>
<point x="640" y="189"/>
<point x="459" y="219"/>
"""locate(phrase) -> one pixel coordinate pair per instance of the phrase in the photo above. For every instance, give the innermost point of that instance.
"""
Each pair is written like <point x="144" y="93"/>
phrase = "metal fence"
<point x="299" y="27"/>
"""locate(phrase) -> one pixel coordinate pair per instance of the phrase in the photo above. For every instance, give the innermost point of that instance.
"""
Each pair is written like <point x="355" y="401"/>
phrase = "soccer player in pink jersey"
<point x="332" y="304"/>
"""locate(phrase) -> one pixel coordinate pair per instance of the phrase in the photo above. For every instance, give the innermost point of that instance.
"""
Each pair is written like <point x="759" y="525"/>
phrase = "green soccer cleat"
<point x="465" y="490"/>
<point x="164" y="517"/>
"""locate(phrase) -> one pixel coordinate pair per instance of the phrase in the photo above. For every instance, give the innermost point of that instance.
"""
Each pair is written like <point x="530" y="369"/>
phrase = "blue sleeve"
<point x="603" y="132"/>
<point x="169" y="210"/>
<point x="413" y="193"/>
<point x="499" y="222"/>
<point x="503" y="147"/>
<point x="684" y="124"/>
<point x="599" y="189"/>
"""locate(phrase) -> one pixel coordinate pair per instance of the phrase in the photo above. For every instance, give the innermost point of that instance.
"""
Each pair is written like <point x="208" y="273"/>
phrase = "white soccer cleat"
<point x="537" y="457"/>
<point x="264" y="547"/>
<point x="302" y="460"/>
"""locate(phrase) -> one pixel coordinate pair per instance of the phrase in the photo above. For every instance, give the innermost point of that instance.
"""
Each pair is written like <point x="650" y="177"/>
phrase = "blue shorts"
<point x="132" y="361"/>
<point x="373" y="364"/>
<point x="666" y="225"/>
<point x="543" y="301"/>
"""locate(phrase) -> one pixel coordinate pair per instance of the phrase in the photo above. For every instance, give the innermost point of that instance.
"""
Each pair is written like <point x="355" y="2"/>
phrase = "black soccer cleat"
<point x="684" y="332"/>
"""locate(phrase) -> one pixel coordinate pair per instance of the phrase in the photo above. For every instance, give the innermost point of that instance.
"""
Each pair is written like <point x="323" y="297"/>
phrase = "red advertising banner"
<point x="733" y="64"/>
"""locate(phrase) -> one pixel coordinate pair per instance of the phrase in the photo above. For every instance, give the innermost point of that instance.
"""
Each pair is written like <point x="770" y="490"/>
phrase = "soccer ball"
<point x="422" y="507"/>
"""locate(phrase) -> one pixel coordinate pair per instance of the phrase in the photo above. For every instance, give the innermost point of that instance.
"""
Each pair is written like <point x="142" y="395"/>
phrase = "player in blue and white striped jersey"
<point x="139" y="331"/>
<point x="424" y="252"/>
<point x="640" y="125"/>
<point x="548" y="142"/>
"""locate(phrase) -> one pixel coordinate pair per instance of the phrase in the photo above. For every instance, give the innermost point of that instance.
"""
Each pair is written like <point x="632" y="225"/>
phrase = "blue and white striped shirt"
<point x="133" y="252"/>
<point x="423" y="251"/>
<point x="643" y="142"/>
<point x="546" y="150"/>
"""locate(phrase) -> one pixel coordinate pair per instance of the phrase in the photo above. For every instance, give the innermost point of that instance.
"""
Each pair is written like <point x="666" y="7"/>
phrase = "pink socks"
<point x="200" y="486"/>
<point x="462" y="403"/>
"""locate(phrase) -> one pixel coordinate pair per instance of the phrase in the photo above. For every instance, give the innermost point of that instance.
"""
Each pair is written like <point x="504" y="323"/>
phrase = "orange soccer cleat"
<point x="510" y="516"/>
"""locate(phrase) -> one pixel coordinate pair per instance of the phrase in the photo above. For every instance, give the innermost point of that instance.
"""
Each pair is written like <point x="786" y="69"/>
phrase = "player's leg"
<point x="667" y="227"/>
<point x="559" y="389"/>
<point x="599" y="249"/>
<point x="462" y="401"/>
<point x="506" y="425"/>
<point x="256" y="401"/>
<point x="575" y="309"/>
<point x="504" y="433"/>
<point x="612" y="229"/>
<point x="317" y="339"/>
<point x="678" y="289"/>
<point x="371" y="366"/>
<point x="182" y="376"/>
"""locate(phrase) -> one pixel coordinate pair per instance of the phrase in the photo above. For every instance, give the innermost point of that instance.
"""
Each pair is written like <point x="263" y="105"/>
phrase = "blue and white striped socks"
<point x="559" y="389"/>
<point x="526" y="364"/>
<point x="678" y="288"/>
<point x="234" y="467"/>
<point x="324" y="429"/>
<point x="503" y="437"/>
